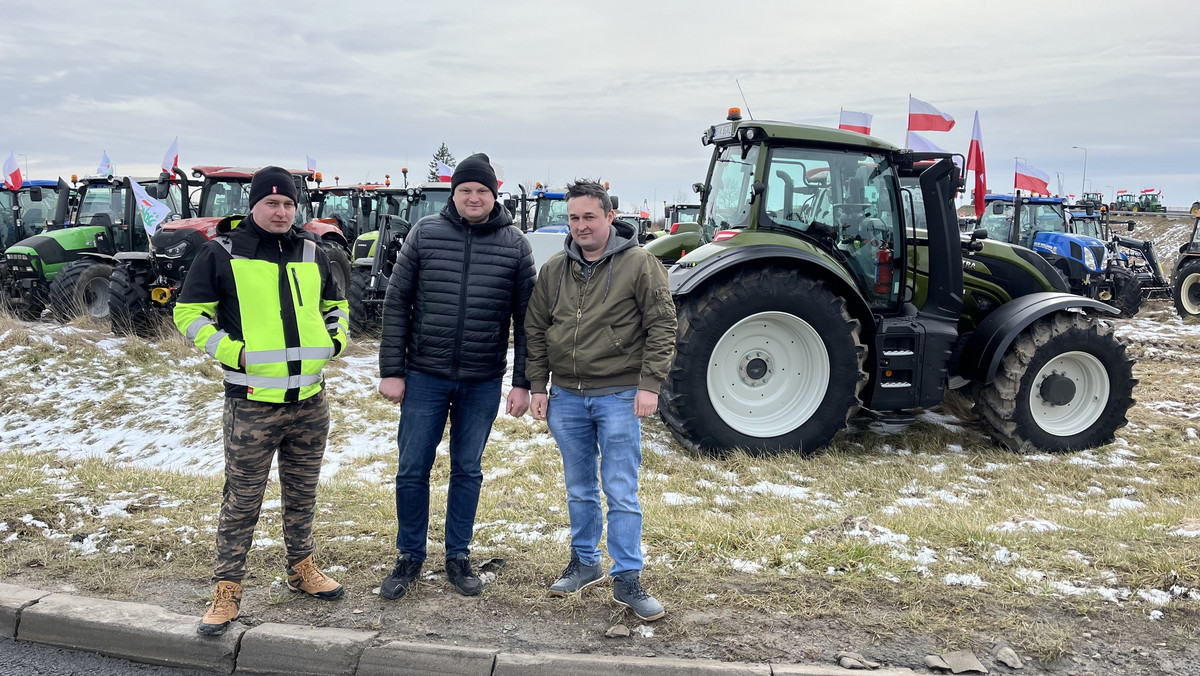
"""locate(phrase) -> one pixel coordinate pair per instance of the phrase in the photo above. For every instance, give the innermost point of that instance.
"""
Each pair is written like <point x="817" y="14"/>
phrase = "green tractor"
<point x="23" y="213"/>
<point x="1185" y="280"/>
<point x="819" y="296"/>
<point x="1149" y="201"/>
<point x="68" y="267"/>
<point x="396" y="210"/>
<point x="684" y="230"/>
<point x="1126" y="201"/>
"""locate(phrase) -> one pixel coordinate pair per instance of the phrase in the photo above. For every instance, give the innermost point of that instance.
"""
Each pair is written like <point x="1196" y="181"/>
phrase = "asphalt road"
<point x="18" y="658"/>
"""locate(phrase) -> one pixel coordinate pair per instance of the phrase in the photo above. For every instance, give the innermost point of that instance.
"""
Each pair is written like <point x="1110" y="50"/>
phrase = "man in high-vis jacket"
<point x="259" y="299"/>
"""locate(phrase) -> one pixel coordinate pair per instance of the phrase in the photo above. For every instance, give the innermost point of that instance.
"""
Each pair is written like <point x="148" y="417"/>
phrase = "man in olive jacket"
<point x="601" y="322"/>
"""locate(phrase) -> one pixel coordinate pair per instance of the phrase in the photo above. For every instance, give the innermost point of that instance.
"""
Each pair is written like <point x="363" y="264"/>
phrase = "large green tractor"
<point x="396" y="210"/>
<point x="818" y="297"/>
<point x="23" y="213"/>
<point x="67" y="267"/>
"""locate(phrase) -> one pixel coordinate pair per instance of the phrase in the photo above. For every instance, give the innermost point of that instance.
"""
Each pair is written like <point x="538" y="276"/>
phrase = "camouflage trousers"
<point x="254" y="432"/>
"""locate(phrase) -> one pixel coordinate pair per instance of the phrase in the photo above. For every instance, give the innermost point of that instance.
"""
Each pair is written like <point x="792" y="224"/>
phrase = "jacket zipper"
<point x="578" y="321"/>
<point x="296" y="279"/>
<point x="462" y="304"/>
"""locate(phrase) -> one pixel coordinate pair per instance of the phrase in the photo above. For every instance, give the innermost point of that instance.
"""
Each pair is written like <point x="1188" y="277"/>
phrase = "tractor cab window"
<point x="550" y="213"/>
<point x="847" y="201"/>
<point x="1037" y="218"/>
<point x="226" y="198"/>
<point x="337" y="207"/>
<point x="731" y="189"/>
<point x="102" y="205"/>
<point x="1089" y="226"/>
<point x="8" y="224"/>
<point x="35" y="214"/>
<point x="686" y="215"/>
<point x="431" y="202"/>
<point x="998" y="225"/>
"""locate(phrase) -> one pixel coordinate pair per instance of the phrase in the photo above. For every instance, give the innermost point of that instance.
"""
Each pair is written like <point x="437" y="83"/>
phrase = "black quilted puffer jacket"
<point x="454" y="293"/>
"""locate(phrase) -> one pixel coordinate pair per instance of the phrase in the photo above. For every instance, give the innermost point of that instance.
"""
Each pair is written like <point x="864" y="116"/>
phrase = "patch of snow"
<point x="1124" y="504"/>
<point x="676" y="499"/>
<point x="964" y="580"/>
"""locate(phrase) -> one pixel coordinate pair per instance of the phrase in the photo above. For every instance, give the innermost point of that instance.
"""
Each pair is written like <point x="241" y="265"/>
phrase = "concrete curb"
<point x="152" y="635"/>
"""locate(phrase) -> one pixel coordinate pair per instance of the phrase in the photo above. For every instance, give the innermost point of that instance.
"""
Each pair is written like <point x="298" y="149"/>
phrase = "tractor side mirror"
<point x="615" y="202"/>
<point x="758" y="187"/>
<point x="35" y="193"/>
<point x="1131" y="225"/>
<point x="998" y="208"/>
<point x="697" y="188"/>
<point x="979" y="233"/>
<point x="510" y="203"/>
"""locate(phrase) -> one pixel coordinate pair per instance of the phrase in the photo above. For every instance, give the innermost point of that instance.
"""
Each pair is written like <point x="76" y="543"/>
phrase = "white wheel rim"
<point x="1092" y="390"/>
<point x="95" y="296"/>
<point x="1186" y="291"/>
<point x="768" y="374"/>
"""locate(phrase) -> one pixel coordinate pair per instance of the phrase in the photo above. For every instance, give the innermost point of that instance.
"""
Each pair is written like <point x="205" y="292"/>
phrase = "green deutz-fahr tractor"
<point x="67" y="268"/>
<point x="819" y="297"/>
<point x="396" y="210"/>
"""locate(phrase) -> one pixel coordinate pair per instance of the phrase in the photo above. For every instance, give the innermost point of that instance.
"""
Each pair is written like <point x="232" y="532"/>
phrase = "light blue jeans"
<point x="604" y="432"/>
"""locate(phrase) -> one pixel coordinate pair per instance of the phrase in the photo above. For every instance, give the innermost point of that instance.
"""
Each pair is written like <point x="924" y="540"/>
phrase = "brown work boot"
<point x="227" y="599"/>
<point x="306" y="577"/>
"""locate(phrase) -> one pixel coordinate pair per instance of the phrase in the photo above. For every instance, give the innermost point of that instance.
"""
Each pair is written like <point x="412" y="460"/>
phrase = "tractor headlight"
<point x="1089" y="259"/>
<point x="177" y="250"/>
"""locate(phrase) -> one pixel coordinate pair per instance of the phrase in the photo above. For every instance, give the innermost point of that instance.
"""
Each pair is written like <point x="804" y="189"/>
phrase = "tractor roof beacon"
<point x="818" y="297"/>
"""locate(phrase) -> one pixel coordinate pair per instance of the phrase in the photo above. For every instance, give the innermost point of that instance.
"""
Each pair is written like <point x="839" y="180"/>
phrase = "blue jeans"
<point x="602" y="431"/>
<point x="472" y="408"/>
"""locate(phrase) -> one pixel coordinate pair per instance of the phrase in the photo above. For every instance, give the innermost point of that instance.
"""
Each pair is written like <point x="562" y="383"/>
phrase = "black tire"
<point x="1081" y="354"/>
<point x="129" y="305"/>
<point x="1186" y="289"/>
<point x="80" y="288"/>
<point x="801" y="412"/>
<point x="339" y="265"/>
<point x="364" y="317"/>
<point x="1127" y="291"/>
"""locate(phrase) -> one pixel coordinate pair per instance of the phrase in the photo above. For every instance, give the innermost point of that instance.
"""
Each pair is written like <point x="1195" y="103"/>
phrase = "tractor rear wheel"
<point x="768" y="361"/>
<point x="363" y="316"/>
<point x="129" y="303"/>
<point x="1187" y="289"/>
<point x="1065" y="384"/>
<point x="1127" y="291"/>
<point x="81" y="288"/>
<point x="339" y="265"/>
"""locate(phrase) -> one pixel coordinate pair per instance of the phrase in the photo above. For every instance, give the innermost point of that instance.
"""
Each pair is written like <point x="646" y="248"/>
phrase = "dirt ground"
<point x="1116" y="642"/>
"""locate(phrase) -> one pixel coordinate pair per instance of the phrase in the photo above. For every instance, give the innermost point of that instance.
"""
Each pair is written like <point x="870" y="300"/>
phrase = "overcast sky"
<point x="617" y="90"/>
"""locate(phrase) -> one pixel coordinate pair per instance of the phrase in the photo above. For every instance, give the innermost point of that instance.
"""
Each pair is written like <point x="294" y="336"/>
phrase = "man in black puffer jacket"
<point x="463" y="277"/>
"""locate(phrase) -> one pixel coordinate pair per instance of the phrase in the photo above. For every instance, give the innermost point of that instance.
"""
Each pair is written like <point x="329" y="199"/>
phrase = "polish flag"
<point x="106" y="167"/>
<point x="923" y="145"/>
<point x="852" y="121"/>
<point x="1122" y="192"/>
<point x="499" y="174"/>
<point x="445" y="172"/>
<point x="924" y="117"/>
<point x="1031" y="179"/>
<point x="975" y="163"/>
<point x="1149" y="191"/>
<point x="171" y="159"/>
<point x="12" y="173"/>
<point x="312" y="164"/>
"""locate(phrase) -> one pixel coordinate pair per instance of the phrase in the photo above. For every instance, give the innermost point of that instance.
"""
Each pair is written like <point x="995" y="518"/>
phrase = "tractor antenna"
<point x="744" y="101"/>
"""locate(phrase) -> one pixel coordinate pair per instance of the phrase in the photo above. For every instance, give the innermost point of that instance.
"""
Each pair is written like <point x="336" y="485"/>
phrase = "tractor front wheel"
<point x="81" y="288"/>
<point x="1187" y="289"/>
<point x="768" y="361"/>
<point x="129" y="303"/>
<point x="1127" y="291"/>
<point x="339" y="265"/>
<point x="364" y="319"/>
<point x="1065" y="384"/>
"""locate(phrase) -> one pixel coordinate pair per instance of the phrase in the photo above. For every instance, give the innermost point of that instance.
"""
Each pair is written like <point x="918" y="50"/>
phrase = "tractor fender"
<point x="687" y="277"/>
<point x="327" y="232"/>
<point x="362" y="262"/>
<point x="103" y="258"/>
<point x="140" y="260"/>
<point x="987" y="344"/>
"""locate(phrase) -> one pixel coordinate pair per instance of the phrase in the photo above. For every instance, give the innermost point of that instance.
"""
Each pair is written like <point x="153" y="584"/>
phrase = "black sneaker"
<point x="458" y="571"/>
<point x="627" y="591"/>
<point x="576" y="577"/>
<point x="403" y="575"/>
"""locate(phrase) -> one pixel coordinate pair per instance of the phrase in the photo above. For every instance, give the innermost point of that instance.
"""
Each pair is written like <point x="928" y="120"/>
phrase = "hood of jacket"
<point x="621" y="236"/>
<point x="499" y="217"/>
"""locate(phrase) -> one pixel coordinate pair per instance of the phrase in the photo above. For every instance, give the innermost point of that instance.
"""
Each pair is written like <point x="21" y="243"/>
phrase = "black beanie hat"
<point x="272" y="181"/>
<point x="478" y="169"/>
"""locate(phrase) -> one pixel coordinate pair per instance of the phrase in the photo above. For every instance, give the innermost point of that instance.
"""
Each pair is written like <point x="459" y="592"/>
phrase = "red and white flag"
<point x="853" y="121"/>
<point x="1122" y="192"/>
<point x="445" y="172"/>
<point x="923" y="145"/>
<point x="975" y="163"/>
<point x="12" y="173"/>
<point x="1031" y="179"/>
<point x="1149" y="191"/>
<point x="924" y="117"/>
<point x="171" y="159"/>
<point x="499" y="174"/>
<point x="312" y="164"/>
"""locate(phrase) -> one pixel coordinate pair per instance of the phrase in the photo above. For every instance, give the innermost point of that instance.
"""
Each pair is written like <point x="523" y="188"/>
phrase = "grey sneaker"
<point x="458" y="571"/>
<point x="403" y="576"/>
<point x="576" y="577"/>
<point x="627" y="591"/>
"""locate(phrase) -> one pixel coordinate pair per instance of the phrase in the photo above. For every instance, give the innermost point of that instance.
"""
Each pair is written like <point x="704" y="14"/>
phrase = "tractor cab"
<point x="1126" y="201"/>
<point x="24" y="211"/>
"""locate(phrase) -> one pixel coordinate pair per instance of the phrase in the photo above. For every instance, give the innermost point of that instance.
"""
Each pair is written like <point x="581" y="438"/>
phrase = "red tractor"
<point x="145" y="286"/>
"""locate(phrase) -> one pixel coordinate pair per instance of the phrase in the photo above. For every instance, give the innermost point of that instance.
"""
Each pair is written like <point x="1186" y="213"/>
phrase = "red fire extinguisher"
<point x="883" y="270"/>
